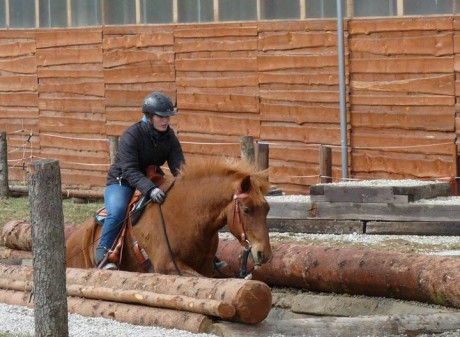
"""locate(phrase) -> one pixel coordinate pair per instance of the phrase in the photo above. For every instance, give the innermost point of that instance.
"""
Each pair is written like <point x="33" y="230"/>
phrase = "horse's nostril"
<point x="260" y="256"/>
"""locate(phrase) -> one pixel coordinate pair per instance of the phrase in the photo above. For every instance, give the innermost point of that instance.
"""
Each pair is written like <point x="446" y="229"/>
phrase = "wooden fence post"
<point x="325" y="164"/>
<point x="247" y="149"/>
<point x="3" y="166"/>
<point x="113" y="148"/>
<point x="262" y="152"/>
<point x="48" y="248"/>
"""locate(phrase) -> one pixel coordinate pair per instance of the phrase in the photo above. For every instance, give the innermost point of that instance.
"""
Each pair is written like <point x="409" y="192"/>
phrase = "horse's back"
<point x="80" y="243"/>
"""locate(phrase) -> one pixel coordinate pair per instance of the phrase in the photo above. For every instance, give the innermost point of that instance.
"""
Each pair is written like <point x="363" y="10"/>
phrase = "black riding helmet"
<point x="158" y="104"/>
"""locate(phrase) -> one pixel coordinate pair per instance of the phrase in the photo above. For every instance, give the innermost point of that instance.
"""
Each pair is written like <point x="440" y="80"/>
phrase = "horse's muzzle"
<point x="260" y="258"/>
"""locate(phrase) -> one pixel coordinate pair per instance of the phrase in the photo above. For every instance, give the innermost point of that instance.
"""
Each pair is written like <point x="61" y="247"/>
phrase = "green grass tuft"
<point x="17" y="208"/>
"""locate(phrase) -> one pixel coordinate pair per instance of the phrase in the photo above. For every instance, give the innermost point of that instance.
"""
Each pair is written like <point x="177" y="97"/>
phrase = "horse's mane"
<point x="226" y="167"/>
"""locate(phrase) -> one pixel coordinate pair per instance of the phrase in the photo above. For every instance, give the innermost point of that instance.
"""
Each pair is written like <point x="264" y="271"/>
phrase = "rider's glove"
<point x="157" y="195"/>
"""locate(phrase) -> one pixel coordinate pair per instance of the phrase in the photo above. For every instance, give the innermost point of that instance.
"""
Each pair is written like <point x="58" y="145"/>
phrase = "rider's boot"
<point x="102" y="262"/>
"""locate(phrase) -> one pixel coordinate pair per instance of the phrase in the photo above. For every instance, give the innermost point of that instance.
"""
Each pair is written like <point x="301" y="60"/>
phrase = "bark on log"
<point x="66" y="193"/>
<point x="178" y="302"/>
<point x="128" y="313"/>
<point x="251" y="299"/>
<point x="16" y="234"/>
<point x="423" y="278"/>
<point x="202" y="306"/>
<point x="7" y="253"/>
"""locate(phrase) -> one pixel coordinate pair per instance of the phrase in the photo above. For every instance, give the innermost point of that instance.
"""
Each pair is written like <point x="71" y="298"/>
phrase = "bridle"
<point x="236" y="227"/>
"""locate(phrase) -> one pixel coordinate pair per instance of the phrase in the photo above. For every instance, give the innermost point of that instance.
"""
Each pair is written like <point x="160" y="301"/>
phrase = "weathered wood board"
<point x="313" y="226"/>
<point x="414" y="227"/>
<point x="379" y="211"/>
<point x="394" y="193"/>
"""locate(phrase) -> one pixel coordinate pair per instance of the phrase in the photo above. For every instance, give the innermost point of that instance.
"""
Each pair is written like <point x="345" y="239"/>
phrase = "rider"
<point x="150" y="141"/>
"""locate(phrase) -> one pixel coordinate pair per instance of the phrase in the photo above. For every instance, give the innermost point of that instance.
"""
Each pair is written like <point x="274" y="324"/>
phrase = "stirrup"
<point x="110" y="266"/>
<point x="220" y="265"/>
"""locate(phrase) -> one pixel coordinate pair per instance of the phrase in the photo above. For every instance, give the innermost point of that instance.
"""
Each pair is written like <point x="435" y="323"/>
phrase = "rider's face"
<point x="160" y="123"/>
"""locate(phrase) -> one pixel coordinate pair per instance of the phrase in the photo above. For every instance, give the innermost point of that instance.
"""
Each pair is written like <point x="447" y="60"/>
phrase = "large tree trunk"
<point x="423" y="278"/>
<point x="250" y="299"/>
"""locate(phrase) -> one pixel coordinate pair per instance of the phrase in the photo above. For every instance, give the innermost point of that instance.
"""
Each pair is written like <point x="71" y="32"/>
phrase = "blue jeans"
<point x="116" y="199"/>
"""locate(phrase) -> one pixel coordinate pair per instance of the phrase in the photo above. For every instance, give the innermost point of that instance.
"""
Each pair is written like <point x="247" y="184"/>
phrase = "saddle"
<point x="135" y="209"/>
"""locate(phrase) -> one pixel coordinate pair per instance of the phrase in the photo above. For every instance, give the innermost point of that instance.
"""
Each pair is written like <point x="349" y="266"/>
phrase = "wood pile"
<point x="187" y="303"/>
<point x="394" y="208"/>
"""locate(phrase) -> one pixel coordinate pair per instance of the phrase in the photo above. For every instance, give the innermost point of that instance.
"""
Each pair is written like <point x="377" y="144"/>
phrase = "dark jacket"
<point x="141" y="146"/>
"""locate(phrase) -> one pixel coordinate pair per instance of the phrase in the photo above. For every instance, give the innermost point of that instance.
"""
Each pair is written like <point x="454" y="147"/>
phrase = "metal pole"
<point x="343" y="111"/>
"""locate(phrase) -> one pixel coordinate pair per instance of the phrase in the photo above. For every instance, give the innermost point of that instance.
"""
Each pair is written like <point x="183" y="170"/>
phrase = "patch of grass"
<point x="11" y="335"/>
<point x="17" y="208"/>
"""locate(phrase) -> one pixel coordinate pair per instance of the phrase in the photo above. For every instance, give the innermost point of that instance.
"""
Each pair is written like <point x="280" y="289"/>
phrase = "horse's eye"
<point x="246" y="211"/>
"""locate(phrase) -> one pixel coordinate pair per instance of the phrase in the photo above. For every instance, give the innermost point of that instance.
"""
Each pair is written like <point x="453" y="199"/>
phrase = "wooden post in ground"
<point x="48" y="249"/>
<point x="262" y="152"/>
<point x="325" y="164"/>
<point x="3" y="166"/>
<point x="247" y="149"/>
<point x="113" y="148"/>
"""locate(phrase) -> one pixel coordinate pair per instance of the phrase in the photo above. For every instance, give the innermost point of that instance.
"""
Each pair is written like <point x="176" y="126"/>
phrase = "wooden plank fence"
<point x="63" y="92"/>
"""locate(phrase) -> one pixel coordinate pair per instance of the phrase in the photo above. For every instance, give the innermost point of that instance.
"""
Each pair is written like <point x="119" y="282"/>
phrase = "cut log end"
<point x="256" y="292"/>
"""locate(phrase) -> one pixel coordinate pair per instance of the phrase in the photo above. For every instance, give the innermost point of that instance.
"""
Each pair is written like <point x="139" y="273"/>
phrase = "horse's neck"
<point x="209" y="199"/>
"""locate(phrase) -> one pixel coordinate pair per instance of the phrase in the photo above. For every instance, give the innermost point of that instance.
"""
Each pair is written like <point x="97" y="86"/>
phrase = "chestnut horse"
<point x="181" y="235"/>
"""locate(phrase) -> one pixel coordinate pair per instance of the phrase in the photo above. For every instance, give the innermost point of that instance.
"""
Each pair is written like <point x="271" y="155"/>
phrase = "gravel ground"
<point x="20" y="320"/>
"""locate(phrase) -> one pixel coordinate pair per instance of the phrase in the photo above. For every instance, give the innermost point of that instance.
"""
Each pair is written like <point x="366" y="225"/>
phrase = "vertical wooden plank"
<point x="350" y="9"/>
<point x="37" y="13"/>
<point x="303" y="9"/>
<point x="175" y="11"/>
<point x="259" y="9"/>
<point x="216" y="10"/>
<point x="113" y="145"/>
<point x="69" y="13"/>
<point x="138" y="12"/>
<point x="7" y="13"/>
<point x="48" y="249"/>
<point x="247" y="149"/>
<point x="262" y="156"/>
<point x="400" y="7"/>
<point x="3" y="166"/>
<point x="325" y="164"/>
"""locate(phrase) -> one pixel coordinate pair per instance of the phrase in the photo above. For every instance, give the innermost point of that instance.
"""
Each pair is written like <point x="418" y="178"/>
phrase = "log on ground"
<point x="376" y="326"/>
<point x="178" y="302"/>
<point x="16" y="234"/>
<point x="423" y="278"/>
<point x="121" y="312"/>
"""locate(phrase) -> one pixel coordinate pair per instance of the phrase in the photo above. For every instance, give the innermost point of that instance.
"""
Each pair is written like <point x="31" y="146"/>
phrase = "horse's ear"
<point x="245" y="184"/>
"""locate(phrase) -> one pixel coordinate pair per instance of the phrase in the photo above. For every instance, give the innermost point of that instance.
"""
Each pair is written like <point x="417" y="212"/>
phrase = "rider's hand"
<point x="157" y="195"/>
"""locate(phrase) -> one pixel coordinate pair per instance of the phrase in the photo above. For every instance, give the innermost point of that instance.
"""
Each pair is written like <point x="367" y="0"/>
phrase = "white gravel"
<point x="20" y="320"/>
